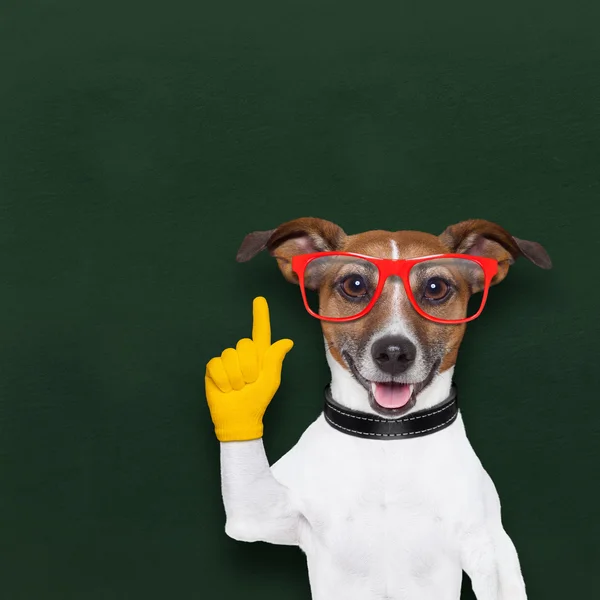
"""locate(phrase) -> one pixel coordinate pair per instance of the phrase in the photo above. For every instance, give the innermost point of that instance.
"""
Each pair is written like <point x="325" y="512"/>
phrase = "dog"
<point x="383" y="492"/>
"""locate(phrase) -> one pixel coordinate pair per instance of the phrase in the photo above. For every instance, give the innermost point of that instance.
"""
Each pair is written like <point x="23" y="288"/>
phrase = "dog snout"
<point x="393" y="354"/>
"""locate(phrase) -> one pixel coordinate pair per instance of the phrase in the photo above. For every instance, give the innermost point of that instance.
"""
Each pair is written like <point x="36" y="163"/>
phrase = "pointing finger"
<point x="261" y="326"/>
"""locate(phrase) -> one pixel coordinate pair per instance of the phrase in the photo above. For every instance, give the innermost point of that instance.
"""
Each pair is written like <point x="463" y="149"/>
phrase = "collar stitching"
<point x="399" y="420"/>
<point x="336" y="426"/>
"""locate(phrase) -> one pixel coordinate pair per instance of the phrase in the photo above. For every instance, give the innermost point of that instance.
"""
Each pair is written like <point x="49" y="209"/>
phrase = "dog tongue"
<point x="392" y="395"/>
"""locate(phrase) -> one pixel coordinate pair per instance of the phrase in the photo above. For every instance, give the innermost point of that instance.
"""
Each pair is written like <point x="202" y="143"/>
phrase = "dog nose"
<point x="394" y="355"/>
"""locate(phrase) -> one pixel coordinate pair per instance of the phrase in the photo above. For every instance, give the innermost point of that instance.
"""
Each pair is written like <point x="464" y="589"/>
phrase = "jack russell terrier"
<point x="383" y="492"/>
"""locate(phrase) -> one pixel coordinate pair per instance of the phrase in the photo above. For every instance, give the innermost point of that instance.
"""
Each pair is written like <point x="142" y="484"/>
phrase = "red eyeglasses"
<point x="444" y="288"/>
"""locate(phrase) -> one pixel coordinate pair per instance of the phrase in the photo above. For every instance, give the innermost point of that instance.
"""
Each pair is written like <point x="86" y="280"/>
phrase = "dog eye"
<point x="436" y="289"/>
<point x="354" y="286"/>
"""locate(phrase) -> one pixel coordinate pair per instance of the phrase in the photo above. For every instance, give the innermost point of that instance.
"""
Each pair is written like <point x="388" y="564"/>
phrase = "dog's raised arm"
<point x="240" y="384"/>
<point x="258" y="508"/>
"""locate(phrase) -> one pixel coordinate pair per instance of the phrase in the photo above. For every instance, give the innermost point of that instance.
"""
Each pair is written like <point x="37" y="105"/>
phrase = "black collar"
<point x="416" y="424"/>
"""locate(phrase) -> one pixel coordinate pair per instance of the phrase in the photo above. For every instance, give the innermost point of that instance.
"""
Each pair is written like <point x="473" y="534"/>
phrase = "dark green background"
<point x="139" y="143"/>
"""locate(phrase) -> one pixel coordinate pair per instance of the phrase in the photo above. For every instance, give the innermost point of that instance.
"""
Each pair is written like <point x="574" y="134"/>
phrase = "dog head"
<point x="392" y="352"/>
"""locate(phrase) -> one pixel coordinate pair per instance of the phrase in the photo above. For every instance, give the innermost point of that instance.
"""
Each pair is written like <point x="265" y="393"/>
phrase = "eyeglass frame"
<point x="401" y="268"/>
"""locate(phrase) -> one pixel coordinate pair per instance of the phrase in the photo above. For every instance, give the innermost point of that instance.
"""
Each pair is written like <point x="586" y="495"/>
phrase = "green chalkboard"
<point x="140" y="142"/>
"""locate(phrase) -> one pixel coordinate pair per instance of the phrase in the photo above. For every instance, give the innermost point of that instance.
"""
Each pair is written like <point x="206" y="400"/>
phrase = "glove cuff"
<point x="239" y="432"/>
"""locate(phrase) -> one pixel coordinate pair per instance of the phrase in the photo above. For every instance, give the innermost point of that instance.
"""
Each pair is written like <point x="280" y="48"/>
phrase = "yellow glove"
<point x="241" y="383"/>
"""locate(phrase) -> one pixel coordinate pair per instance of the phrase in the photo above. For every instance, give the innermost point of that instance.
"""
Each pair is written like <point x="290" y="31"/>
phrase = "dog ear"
<point x="300" y="236"/>
<point x="483" y="238"/>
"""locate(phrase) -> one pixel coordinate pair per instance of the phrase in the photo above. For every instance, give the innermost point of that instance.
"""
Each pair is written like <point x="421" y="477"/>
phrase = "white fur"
<point x="395" y="281"/>
<point x="378" y="520"/>
<point x="397" y="323"/>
